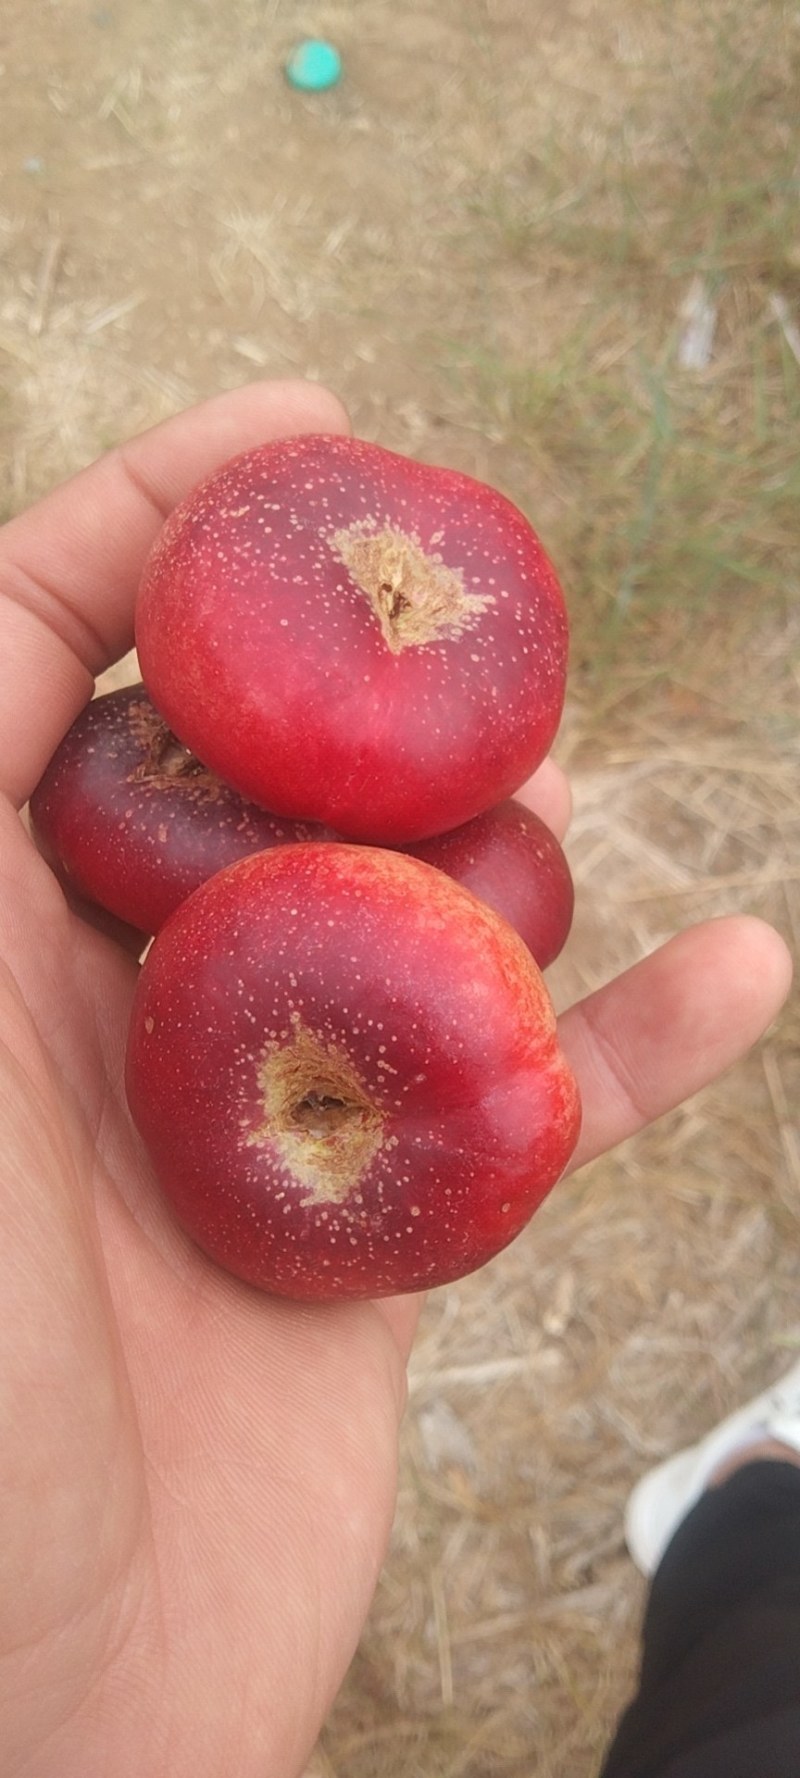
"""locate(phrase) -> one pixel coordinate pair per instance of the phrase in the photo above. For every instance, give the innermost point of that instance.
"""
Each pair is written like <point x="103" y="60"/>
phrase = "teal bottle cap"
<point x="313" y="66"/>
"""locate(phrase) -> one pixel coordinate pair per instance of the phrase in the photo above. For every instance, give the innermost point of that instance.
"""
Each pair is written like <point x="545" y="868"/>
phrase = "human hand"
<point x="197" y="1482"/>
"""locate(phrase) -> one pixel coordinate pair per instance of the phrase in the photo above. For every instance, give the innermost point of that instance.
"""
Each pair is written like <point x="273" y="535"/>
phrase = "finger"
<point x="672" y="1024"/>
<point x="548" y="794"/>
<point x="401" y="1314"/>
<point x="69" y="567"/>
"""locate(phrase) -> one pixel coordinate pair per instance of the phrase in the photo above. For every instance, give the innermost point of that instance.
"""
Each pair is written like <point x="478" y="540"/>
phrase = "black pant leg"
<point x="719" y="1688"/>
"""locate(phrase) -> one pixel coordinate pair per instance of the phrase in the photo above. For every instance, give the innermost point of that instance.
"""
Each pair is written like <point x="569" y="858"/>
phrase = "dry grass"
<point x="554" y="243"/>
<point x="652" y="1294"/>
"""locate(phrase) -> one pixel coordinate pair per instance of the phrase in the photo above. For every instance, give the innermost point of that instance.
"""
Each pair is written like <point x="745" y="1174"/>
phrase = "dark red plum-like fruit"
<point x="511" y="860"/>
<point x="132" y="821"/>
<point x="346" y="1072"/>
<point x="354" y="638"/>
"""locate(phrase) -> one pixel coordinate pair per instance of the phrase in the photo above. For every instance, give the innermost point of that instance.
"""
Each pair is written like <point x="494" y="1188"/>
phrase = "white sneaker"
<point x="666" y="1494"/>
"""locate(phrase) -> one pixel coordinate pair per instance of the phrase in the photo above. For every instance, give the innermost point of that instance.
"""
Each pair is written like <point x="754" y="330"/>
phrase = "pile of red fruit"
<point x="342" y="1056"/>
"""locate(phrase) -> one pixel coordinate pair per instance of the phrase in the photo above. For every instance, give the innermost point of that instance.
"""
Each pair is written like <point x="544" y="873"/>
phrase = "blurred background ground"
<point x="555" y="243"/>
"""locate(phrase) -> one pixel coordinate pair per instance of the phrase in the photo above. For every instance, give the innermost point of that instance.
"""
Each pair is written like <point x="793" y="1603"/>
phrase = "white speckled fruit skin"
<point x="268" y="660"/>
<point x="424" y="997"/>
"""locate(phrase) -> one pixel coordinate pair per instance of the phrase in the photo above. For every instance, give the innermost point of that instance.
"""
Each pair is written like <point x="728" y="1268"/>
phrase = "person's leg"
<point x="719" y="1690"/>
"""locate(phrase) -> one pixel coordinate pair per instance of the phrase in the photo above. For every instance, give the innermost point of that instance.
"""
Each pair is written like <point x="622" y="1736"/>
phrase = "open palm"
<point x="196" y="1481"/>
